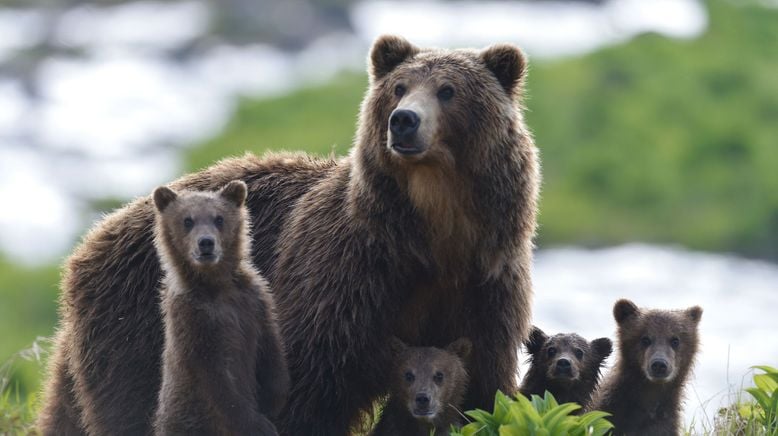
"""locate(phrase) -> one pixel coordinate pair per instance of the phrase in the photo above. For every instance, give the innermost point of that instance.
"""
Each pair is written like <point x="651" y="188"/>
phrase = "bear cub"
<point x="644" y="390"/>
<point x="427" y="388"/>
<point x="564" y="364"/>
<point x="220" y="330"/>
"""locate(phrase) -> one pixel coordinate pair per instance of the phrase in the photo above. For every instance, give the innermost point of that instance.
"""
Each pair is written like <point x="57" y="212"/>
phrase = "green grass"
<point x="28" y="310"/>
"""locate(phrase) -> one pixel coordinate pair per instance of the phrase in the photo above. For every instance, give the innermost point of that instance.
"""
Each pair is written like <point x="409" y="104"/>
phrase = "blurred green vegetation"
<point x="28" y="310"/>
<point x="658" y="140"/>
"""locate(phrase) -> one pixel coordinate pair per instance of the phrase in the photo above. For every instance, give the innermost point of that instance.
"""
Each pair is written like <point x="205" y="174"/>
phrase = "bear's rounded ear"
<point x="508" y="64"/>
<point x="624" y="309"/>
<point x="603" y="347"/>
<point x="461" y="347"/>
<point x="397" y="346"/>
<point x="694" y="313"/>
<point x="235" y="192"/>
<point x="163" y="196"/>
<point x="537" y="338"/>
<point x="387" y="53"/>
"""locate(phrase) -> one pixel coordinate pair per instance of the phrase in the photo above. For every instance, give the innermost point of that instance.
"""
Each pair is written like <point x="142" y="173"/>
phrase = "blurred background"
<point x="657" y="124"/>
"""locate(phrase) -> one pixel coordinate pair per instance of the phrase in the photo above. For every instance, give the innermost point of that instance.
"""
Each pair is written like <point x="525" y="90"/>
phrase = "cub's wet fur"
<point x="564" y="364"/>
<point x="427" y="389"/>
<point x="224" y="371"/>
<point x="644" y="390"/>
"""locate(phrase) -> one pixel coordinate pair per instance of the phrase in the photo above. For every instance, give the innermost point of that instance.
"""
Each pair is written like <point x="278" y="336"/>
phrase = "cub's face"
<point x="428" y="380"/>
<point x="567" y="358"/>
<point x="435" y="105"/>
<point x="660" y="343"/>
<point x="200" y="227"/>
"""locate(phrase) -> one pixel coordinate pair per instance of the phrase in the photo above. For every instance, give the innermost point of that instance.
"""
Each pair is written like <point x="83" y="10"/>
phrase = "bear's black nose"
<point x="206" y="244"/>
<point x="659" y="368"/>
<point x="404" y="123"/>
<point x="422" y="400"/>
<point x="563" y="363"/>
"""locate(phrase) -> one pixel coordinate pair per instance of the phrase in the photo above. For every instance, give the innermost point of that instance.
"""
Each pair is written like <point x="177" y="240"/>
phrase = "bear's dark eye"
<point x="675" y="342"/>
<point x="645" y="341"/>
<point x="445" y="93"/>
<point x="551" y="351"/>
<point x="438" y="377"/>
<point x="219" y="221"/>
<point x="399" y="90"/>
<point x="188" y="223"/>
<point x="409" y="377"/>
<point x="579" y="353"/>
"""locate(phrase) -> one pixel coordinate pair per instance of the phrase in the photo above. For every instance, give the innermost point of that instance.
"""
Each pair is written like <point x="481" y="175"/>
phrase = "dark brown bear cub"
<point x="643" y="392"/>
<point x="427" y="389"/>
<point x="565" y="364"/>
<point x="220" y="331"/>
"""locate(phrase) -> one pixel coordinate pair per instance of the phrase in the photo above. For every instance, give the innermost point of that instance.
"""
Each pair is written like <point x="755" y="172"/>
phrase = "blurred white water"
<point x="575" y="290"/>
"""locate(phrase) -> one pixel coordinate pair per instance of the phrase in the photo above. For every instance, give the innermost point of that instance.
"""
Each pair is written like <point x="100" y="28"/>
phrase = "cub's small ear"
<point x="163" y="196"/>
<point x="508" y="64"/>
<point x="694" y="313"/>
<point x="462" y="347"/>
<point x="235" y="192"/>
<point x="537" y="338"/>
<point x="624" y="309"/>
<point x="397" y="346"/>
<point x="603" y="347"/>
<point x="387" y="53"/>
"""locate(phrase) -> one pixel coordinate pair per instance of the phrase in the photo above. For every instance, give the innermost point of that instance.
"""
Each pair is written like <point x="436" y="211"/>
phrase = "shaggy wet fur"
<point x="642" y="403"/>
<point x="574" y="382"/>
<point x="223" y="368"/>
<point x="355" y="250"/>
<point x="438" y="376"/>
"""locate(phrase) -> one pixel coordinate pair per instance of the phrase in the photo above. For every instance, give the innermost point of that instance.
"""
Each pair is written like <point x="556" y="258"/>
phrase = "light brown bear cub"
<point x="220" y="331"/>
<point x="428" y="385"/>
<point x="644" y="390"/>
<point x="564" y="364"/>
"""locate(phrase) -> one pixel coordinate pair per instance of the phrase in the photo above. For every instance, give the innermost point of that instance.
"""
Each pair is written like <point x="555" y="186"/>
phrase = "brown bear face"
<point x="439" y="107"/>
<point x="199" y="228"/>
<point x="430" y="380"/>
<point x="660" y="343"/>
<point x="567" y="358"/>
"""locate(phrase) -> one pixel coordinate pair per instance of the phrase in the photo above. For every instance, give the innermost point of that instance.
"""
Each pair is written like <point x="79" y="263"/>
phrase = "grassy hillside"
<point x="656" y="140"/>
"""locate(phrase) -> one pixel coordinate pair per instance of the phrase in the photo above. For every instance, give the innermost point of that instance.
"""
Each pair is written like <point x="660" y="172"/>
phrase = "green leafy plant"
<point x="765" y="393"/>
<point x="538" y="416"/>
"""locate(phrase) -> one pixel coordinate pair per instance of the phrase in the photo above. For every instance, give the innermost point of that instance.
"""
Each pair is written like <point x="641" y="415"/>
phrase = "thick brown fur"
<point x="355" y="250"/>
<point x="641" y="403"/>
<point x="573" y="383"/>
<point x="223" y="368"/>
<point x="439" y="376"/>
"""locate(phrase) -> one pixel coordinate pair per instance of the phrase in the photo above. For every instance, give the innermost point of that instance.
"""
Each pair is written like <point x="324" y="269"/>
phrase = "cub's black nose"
<point x="659" y="368"/>
<point x="404" y="123"/>
<point x="563" y="363"/>
<point x="422" y="400"/>
<point x="206" y="245"/>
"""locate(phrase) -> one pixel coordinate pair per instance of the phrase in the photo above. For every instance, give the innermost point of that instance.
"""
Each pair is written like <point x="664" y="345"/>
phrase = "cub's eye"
<point x="645" y="341"/>
<point x="438" y="377"/>
<point x="188" y="223"/>
<point x="219" y="221"/>
<point x="675" y="342"/>
<point x="445" y="93"/>
<point x="399" y="90"/>
<point x="409" y="377"/>
<point x="579" y="353"/>
<point x="551" y="351"/>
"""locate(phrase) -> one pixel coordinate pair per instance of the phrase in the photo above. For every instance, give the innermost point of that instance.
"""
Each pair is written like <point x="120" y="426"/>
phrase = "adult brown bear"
<point x="424" y="232"/>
